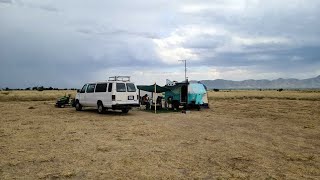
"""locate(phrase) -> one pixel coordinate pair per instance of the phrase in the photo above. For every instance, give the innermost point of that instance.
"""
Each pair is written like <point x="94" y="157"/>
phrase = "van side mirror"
<point x="78" y="90"/>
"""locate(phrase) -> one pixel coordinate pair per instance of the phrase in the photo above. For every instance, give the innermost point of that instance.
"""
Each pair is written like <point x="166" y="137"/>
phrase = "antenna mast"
<point x="185" y="69"/>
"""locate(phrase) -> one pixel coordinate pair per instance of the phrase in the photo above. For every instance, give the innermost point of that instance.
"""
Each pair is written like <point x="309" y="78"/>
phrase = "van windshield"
<point x="121" y="87"/>
<point x="83" y="90"/>
<point x="131" y="87"/>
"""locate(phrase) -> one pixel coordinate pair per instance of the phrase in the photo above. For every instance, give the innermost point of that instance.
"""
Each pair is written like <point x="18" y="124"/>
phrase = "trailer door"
<point x="184" y="94"/>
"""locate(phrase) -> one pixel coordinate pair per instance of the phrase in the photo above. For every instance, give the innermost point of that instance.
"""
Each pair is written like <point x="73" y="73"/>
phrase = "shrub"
<point x="40" y="88"/>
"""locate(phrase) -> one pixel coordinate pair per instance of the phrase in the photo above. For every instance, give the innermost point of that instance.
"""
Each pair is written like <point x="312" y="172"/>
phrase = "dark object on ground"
<point x="147" y="105"/>
<point x="73" y="102"/>
<point x="31" y="107"/>
<point x="65" y="101"/>
<point x="194" y="106"/>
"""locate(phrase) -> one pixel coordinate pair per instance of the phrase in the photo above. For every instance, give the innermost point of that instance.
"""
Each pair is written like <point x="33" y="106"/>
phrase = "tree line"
<point x="36" y="88"/>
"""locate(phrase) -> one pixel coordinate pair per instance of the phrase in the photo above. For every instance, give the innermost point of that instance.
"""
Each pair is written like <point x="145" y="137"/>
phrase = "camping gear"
<point x="189" y="95"/>
<point x="154" y="89"/>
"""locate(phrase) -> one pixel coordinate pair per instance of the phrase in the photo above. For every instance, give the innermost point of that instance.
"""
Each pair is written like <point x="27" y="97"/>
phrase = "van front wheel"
<point x="78" y="106"/>
<point x="101" y="109"/>
<point x="125" y="110"/>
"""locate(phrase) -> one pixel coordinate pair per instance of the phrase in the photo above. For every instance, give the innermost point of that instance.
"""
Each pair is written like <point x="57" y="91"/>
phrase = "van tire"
<point x="125" y="110"/>
<point x="101" y="109"/>
<point x="78" y="106"/>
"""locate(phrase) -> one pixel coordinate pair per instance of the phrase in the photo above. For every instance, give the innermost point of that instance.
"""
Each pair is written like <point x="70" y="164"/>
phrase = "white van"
<point x="117" y="94"/>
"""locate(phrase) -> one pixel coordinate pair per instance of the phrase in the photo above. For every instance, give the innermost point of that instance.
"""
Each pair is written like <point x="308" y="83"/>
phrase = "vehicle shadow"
<point x="108" y="112"/>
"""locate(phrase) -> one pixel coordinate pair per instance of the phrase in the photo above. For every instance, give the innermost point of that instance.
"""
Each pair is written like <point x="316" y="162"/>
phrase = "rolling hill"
<point x="264" y="84"/>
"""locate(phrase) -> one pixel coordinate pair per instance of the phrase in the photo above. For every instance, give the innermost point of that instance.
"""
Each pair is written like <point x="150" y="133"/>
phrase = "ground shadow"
<point x="108" y="112"/>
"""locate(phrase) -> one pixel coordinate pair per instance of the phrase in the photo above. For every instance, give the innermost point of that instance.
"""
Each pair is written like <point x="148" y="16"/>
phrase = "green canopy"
<point x="150" y="88"/>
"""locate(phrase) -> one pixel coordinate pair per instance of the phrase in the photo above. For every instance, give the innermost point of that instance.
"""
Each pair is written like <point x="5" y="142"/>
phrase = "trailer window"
<point x="121" y="87"/>
<point x="101" y="87"/>
<point x="131" y="87"/>
<point x="90" y="88"/>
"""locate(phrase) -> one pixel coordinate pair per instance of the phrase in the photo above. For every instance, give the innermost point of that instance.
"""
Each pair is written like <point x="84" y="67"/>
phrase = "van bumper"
<point x="124" y="106"/>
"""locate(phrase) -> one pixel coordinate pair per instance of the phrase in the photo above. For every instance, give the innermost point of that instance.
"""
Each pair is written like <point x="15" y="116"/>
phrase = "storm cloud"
<point x="67" y="43"/>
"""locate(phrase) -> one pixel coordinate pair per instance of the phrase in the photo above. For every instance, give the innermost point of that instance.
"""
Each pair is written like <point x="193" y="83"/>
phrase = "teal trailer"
<point x="187" y="94"/>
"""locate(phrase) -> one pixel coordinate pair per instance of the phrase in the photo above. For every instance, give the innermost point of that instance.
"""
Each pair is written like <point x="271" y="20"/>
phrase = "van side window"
<point x="90" y="88"/>
<point x="131" y="87"/>
<point x="83" y="90"/>
<point x="110" y="87"/>
<point x="121" y="87"/>
<point x="101" y="87"/>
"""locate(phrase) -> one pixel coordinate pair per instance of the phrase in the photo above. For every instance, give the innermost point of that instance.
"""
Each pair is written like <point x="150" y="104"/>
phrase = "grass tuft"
<point x="5" y="92"/>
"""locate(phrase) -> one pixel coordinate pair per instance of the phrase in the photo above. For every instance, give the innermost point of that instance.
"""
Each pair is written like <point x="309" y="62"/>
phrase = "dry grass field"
<point x="244" y="135"/>
<point x="33" y="95"/>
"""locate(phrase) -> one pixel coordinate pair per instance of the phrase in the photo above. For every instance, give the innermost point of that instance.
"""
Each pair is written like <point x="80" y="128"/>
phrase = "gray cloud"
<point x="43" y="42"/>
<point x="6" y="1"/>
<point x="118" y="32"/>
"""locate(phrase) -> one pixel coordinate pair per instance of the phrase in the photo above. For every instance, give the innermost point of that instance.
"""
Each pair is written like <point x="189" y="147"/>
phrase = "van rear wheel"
<point x="125" y="110"/>
<point x="101" y="109"/>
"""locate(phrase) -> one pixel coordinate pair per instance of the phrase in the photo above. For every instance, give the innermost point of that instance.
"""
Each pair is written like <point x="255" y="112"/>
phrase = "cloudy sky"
<point x="67" y="43"/>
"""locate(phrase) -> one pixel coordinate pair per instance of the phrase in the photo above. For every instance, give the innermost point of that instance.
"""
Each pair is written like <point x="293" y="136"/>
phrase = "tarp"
<point x="194" y="88"/>
<point x="196" y="93"/>
<point x="150" y="88"/>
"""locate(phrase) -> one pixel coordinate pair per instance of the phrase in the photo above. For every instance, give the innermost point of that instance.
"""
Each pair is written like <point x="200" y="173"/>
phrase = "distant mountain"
<point x="263" y="84"/>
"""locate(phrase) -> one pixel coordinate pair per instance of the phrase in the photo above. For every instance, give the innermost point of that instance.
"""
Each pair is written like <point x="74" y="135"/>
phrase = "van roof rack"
<point x="119" y="78"/>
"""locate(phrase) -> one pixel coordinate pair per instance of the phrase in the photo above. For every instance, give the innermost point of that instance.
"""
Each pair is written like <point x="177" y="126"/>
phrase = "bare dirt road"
<point x="234" y="139"/>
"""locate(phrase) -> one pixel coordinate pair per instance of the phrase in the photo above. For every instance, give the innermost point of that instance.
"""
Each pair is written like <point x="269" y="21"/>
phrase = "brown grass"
<point x="267" y="94"/>
<point x="234" y="139"/>
<point x="33" y="95"/>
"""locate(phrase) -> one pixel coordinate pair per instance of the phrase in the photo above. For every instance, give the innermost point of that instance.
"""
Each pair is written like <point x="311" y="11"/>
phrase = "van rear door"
<point x="132" y="93"/>
<point x="121" y="93"/>
<point x="126" y="93"/>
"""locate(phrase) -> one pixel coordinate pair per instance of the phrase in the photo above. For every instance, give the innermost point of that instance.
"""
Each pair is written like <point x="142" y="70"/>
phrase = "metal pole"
<point x="185" y="69"/>
<point x="154" y="99"/>
<point x="139" y="100"/>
